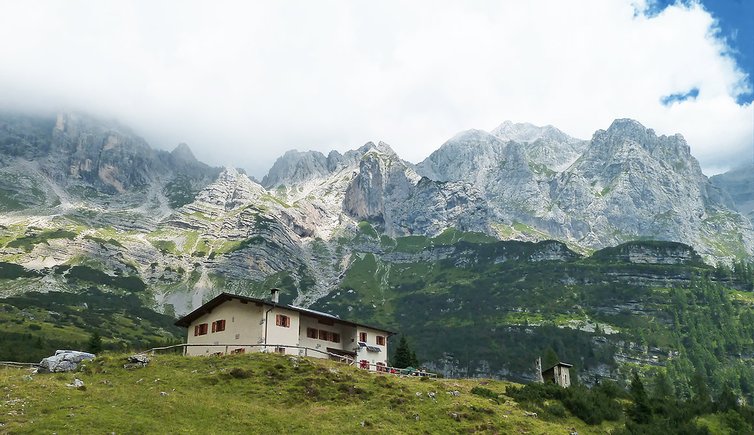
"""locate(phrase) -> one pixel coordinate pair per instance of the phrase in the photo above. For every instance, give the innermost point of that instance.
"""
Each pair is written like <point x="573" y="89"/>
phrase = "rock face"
<point x="64" y="361"/>
<point x="739" y="184"/>
<point x="651" y="253"/>
<point x="296" y="167"/>
<point x="625" y="183"/>
<point x="76" y="191"/>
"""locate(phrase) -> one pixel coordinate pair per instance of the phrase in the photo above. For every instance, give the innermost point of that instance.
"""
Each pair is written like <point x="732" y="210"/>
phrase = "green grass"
<point x="367" y="229"/>
<point x="258" y="393"/>
<point x="27" y="243"/>
<point x="164" y="246"/>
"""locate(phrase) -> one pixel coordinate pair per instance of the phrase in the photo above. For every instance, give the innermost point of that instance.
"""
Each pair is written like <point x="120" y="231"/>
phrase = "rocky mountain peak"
<point x="230" y="190"/>
<point x="629" y="138"/>
<point x="528" y="133"/>
<point x="465" y="155"/>
<point x="295" y="167"/>
<point x="183" y="153"/>
<point x="379" y="148"/>
<point x="625" y="128"/>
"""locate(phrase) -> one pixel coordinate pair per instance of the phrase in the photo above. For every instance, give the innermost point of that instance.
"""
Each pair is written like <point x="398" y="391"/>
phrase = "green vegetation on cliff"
<point x="490" y="309"/>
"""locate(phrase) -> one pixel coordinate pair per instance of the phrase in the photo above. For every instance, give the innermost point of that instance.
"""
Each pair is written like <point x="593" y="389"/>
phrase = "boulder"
<point x="64" y="361"/>
<point x="136" y="361"/>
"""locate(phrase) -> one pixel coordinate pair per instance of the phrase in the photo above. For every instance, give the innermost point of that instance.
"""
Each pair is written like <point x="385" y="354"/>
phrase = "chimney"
<point x="275" y="295"/>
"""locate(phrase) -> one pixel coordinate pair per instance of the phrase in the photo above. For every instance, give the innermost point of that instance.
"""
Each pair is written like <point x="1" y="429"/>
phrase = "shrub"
<point x="239" y="373"/>
<point x="486" y="392"/>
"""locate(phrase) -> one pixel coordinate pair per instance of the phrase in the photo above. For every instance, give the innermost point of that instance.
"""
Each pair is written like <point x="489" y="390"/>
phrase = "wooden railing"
<point x="18" y="364"/>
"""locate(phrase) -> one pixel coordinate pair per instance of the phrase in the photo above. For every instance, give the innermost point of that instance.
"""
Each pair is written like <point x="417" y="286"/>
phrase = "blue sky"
<point x="244" y="81"/>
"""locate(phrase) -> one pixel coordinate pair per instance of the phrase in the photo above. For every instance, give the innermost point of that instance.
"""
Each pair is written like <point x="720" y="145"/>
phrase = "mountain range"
<point x="87" y="203"/>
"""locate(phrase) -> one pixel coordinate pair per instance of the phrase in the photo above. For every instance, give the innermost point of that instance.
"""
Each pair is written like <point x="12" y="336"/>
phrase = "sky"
<point x="243" y="82"/>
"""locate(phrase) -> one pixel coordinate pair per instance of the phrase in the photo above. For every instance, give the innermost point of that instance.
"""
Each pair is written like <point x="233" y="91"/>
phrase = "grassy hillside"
<point x="34" y="325"/>
<point x="259" y="394"/>
<point x="269" y="393"/>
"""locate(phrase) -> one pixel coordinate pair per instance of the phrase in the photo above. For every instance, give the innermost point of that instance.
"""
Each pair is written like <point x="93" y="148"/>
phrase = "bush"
<point x="555" y="409"/>
<point x="486" y="392"/>
<point x="239" y="373"/>
<point x="591" y="406"/>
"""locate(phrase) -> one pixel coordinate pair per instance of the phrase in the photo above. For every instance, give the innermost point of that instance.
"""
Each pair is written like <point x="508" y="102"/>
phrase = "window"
<point x="323" y="335"/>
<point x="200" y="329"/>
<point x="363" y="336"/>
<point x="218" y="325"/>
<point x="311" y="333"/>
<point x="380" y="340"/>
<point x="335" y="337"/>
<point x="284" y="321"/>
<point x="280" y="349"/>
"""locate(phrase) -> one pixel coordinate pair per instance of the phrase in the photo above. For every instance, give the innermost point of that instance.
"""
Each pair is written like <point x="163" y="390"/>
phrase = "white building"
<point x="238" y="324"/>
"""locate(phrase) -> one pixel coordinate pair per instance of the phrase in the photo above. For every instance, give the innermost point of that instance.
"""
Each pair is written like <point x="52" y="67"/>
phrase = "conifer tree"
<point x="95" y="343"/>
<point x="640" y="412"/>
<point x="404" y="357"/>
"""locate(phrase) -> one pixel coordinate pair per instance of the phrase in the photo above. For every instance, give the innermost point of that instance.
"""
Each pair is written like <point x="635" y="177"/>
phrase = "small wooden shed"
<point x="559" y="374"/>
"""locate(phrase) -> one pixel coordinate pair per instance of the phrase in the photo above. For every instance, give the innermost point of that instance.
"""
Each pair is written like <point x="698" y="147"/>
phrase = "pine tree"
<point x="414" y="360"/>
<point x="95" y="343"/>
<point x="663" y="389"/>
<point x="404" y="357"/>
<point x="640" y="412"/>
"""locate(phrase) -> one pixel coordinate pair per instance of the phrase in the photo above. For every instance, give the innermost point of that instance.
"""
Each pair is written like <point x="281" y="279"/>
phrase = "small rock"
<point x="455" y="416"/>
<point x="454" y="393"/>
<point x="77" y="384"/>
<point x="431" y="395"/>
<point x="163" y="394"/>
<point x="416" y="417"/>
<point x="139" y="358"/>
<point x="530" y="414"/>
<point x="140" y="381"/>
<point x="418" y="394"/>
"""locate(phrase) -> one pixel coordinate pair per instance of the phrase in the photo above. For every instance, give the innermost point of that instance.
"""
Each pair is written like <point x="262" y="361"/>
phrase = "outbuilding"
<point x="559" y="374"/>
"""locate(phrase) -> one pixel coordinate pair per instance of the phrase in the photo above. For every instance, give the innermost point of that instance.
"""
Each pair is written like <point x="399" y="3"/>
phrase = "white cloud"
<point x="242" y="82"/>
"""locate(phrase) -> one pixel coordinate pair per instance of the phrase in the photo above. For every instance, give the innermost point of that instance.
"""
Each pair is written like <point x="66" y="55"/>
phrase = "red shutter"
<point x="196" y="330"/>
